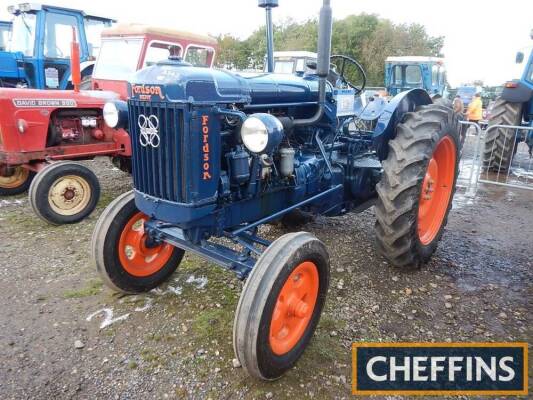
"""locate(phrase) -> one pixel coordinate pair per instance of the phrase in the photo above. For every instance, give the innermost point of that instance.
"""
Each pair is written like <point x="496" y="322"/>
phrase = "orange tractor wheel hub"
<point x="137" y="258"/>
<point x="294" y="308"/>
<point x="437" y="188"/>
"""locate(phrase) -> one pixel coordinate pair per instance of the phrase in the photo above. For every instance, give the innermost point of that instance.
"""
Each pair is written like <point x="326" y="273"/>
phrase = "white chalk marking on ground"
<point x="147" y="305"/>
<point x="4" y="203"/>
<point x="200" y="282"/>
<point x="174" y="290"/>
<point x="108" y="317"/>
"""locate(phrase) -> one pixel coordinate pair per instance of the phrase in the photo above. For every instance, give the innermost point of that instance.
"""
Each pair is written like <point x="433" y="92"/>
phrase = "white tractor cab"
<point x="290" y="62"/>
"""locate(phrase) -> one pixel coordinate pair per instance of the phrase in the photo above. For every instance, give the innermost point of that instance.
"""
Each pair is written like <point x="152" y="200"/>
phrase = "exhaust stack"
<point x="325" y="24"/>
<point x="75" y="62"/>
<point x="268" y="5"/>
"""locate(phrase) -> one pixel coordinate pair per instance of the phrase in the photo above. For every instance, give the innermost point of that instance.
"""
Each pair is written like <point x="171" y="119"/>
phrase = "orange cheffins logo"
<point x="206" y="164"/>
<point x="145" y="92"/>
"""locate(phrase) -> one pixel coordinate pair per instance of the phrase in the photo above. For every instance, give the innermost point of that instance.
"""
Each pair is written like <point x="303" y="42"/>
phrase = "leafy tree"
<point x="365" y="37"/>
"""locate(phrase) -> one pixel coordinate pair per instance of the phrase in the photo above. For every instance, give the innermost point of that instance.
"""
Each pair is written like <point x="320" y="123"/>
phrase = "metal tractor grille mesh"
<point x="157" y="161"/>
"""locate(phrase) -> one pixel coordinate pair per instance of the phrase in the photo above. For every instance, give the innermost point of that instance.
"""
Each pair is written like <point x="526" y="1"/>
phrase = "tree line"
<point x="365" y="37"/>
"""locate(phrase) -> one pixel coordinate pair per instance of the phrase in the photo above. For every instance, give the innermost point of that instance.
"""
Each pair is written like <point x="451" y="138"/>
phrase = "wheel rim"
<point x="294" y="308"/>
<point x="15" y="180"/>
<point x="136" y="257"/>
<point x="69" y="195"/>
<point x="436" y="191"/>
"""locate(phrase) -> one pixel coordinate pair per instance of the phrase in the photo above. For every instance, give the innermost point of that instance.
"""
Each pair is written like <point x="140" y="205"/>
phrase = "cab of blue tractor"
<point x="5" y="32"/>
<point x="410" y="72"/>
<point x="38" y="53"/>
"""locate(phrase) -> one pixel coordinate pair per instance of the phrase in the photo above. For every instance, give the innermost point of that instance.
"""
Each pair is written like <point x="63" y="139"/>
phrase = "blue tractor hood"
<point x="181" y="82"/>
<point x="9" y="66"/>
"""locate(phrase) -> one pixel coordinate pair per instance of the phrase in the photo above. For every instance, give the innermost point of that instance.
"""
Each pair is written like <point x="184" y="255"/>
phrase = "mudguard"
<point x="393" y="114"/>
<point x="521" y="93"/>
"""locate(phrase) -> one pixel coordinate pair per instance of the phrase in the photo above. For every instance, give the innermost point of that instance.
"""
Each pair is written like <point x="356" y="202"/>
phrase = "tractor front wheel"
<point x="64" y="193"/>
<point x="126" y="258"/>
<point x="281" y="304"/>
<point x="416" y="191"/>
<point x="14" y="180"/>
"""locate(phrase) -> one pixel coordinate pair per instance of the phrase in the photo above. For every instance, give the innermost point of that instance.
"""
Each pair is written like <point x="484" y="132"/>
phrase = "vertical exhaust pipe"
<point x="268" y="5"/>
<point x="325" y="25"/>
<point x="75" y="62"/>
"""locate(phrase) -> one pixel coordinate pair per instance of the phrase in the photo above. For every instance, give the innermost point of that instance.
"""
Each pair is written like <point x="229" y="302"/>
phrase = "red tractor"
<point x="43" y="132"/>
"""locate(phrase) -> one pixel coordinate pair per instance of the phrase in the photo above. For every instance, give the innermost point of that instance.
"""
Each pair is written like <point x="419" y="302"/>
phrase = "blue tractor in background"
<point x="5" y="34"/>
<point x="38" y="54"/>
<point x="514" y="107"/>
<point x="217" y="154"/>
<point x="410" y="72"/>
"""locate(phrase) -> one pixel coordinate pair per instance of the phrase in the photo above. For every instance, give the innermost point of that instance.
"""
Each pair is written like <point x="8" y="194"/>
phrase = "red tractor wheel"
<point x="416" y="191"/>
<point x="281" y="304"/>
<point x="15" y="180"/>
<point x="126" y="258"/>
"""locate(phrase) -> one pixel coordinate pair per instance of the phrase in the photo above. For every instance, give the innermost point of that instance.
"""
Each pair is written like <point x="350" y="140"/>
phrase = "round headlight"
<point x="254" y="135"/>
<point x="111" y="115"/>
<point x="261" y="133"/>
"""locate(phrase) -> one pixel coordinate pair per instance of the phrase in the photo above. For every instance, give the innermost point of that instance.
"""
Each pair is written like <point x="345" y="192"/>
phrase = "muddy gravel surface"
<point x="64" y="335"/>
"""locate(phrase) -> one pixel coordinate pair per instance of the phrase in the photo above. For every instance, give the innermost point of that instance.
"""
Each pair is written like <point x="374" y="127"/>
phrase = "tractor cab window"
<point x="58" y="35"/>
<point x="284" y="67"/>
<point x="93" y="32"/>
<point x="197" y="56"/>
<point x="4" y="37"/>
<point x="397" y="75"/>
<point x="118" y="59"/>
<point x="435" y="75"/>
<point x="159" y="51"/>
<point x="413" y="75"/>
<point x="23" y="36"/>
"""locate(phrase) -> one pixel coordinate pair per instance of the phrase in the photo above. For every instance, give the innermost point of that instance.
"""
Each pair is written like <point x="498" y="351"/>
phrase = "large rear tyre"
<point x="64" y="193"/>
<point x="416" y="191"/>
<point x="501" y="144"/>
<point x="280" y="305"/>
<point x="126" y="258"/>
<point x="14" y="180"/>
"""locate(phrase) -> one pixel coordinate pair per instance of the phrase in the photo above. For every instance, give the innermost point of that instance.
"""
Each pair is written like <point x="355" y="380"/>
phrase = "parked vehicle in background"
<point x="290" y="62"/>
<point x="514" y="108"/>
<point x="38" y="55"/>
<point x="410" y="72"/>
<point x="5" y="33"/>
<point x="467" y="93"/>
<point x="127" y="48"/>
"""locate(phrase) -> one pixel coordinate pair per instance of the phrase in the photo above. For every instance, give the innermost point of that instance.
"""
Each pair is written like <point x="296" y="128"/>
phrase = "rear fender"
<point x="393" y="114"/>
<point x="522" y="93"/>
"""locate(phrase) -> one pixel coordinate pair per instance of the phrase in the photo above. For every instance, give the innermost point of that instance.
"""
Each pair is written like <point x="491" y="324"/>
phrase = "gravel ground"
<point x="63" y="335"/>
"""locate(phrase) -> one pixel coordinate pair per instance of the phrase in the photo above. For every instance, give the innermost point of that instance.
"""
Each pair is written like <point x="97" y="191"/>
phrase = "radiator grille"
<point x="158" y="170"/>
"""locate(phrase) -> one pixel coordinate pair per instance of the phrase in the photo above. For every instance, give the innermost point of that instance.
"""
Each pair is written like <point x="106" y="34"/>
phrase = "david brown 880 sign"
<point x="440" y="368"/>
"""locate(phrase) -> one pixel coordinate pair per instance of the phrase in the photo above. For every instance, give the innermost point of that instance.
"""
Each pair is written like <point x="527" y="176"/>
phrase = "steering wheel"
<point x="342" y="71"/>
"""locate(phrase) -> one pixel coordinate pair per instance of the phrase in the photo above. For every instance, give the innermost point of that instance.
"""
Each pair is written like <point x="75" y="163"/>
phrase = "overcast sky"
<point x="481" y="37"/>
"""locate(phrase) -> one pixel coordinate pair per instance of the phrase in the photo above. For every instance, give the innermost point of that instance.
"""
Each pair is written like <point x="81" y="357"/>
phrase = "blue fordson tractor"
<point x="38" y="55"/>
<point x="217" y="154"/>
<point x="514" y="108"/>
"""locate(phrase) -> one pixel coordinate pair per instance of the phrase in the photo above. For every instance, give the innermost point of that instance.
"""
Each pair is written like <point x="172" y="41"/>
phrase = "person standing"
<point x="458" y="105"/>
<point x="475" y="109"/>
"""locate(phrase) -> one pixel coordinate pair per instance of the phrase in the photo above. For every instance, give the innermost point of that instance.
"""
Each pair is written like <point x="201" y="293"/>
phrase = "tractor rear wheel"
<point x="416" y="191"/>
<point x="501" y="144"/>
<point x="64" y="193"/>
<point x="126" y="258"/>
<point x="15" y="180"/>
<point x="281" y="304"/>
